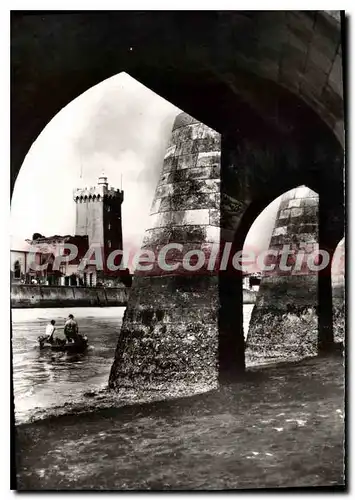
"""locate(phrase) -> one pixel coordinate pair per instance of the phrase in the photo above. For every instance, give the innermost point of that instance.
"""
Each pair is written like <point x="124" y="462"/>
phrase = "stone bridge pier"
<point x="184" y="322"/>
<point x="170" y="328"/>
<point x="284" y="322"/>
<point x="293" y="316"/>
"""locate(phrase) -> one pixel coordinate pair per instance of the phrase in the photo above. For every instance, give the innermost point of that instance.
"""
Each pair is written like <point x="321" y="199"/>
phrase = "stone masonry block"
<point x="320" y="59"/>
<point x="154" y="237"/>
<point x="210" y="186"/>
<point x="164" y="178"/>
<point x="185" y="133"/>
<point x="296" y="212"/>
<point x="170" y="151"/>
<point x="195" y="130"/>
<point x="182" y="120"/>
<point x="283" y="204"/>
<point x="335" y="80"/>
<point x="165" y="204"/>
<point x="185" y="147"/>
<point x="208" y="144"/>
<point x="215" y="218"/>
<point x="300" y="26"/>
<point x="294" y="203"/>
<point x="187" y="234"/>
<point x="194" y="217"/>
<point x="324" y="39"/>
<point x="310" y="202"/>
<point x="284" y="214"/>
<point x="280" y="231"/>
<point x="170" y="164"/>
<point x="155" y="206"/>
<point x="313" y="81"/>
<point x="332" y="100"/>
<point x="194" y="173"/>
<point x="212" y="234"/>
<point x="186" y="161"/>
<point x="164" y="190"/>
<point x="205" y="132"/>
<point x="304" y="192"/>
<point x="208" y="159"/>
<point x="179" y="218"/>
<point x="162" y="219"/>
<point x="190" y="201"/>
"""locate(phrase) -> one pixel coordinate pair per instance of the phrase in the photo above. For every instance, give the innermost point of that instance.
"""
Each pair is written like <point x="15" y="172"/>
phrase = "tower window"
<point x="109" y="243"/>
<point x="109" y="226"/>
<point x="109" y="209"/>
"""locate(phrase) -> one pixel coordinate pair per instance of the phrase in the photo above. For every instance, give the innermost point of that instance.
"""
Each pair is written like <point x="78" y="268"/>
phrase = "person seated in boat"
<point x="71" y="329"/>
<point x="50" y="329"/>
<point x="54" y="336"/>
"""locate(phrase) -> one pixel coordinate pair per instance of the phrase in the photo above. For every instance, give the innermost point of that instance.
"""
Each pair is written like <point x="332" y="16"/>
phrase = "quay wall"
<point x="28" y="296"/>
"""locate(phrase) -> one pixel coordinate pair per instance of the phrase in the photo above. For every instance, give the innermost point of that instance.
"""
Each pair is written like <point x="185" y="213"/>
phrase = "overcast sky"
<point x="118" y="126"/>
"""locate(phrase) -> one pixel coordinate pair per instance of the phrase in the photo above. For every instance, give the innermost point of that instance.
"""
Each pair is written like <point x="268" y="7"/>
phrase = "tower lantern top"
<point x="103" y="180"/>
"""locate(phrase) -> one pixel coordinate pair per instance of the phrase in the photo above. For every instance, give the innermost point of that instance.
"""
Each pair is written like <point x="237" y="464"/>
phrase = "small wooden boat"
<point x="73" y="347"/>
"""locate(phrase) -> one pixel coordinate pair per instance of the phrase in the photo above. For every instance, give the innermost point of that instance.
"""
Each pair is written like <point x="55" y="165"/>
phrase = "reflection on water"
<point x="45" y="379"/>
<point x="247" y="310"/>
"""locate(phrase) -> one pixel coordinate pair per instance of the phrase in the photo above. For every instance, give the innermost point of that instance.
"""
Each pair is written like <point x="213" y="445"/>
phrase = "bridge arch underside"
<point x="270" y="85"/>
<point x="293" y="312"/>
<point x="237" y="63"/>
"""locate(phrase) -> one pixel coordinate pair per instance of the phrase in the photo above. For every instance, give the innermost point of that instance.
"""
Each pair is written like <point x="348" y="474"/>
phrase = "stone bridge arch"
<point x="187" y="326"/>
<point x="256" y="64"/>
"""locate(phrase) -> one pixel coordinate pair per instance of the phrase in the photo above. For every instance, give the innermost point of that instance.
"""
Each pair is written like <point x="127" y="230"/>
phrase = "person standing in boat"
<point x="71" y="329"/>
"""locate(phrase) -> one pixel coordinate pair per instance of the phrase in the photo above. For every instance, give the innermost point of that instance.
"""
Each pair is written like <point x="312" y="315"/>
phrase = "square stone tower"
<point x="98" y="215"/>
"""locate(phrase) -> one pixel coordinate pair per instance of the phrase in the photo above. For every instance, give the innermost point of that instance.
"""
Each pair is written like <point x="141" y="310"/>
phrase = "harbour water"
<point x="45" y="380"/>
<point x="281" y="426"/>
